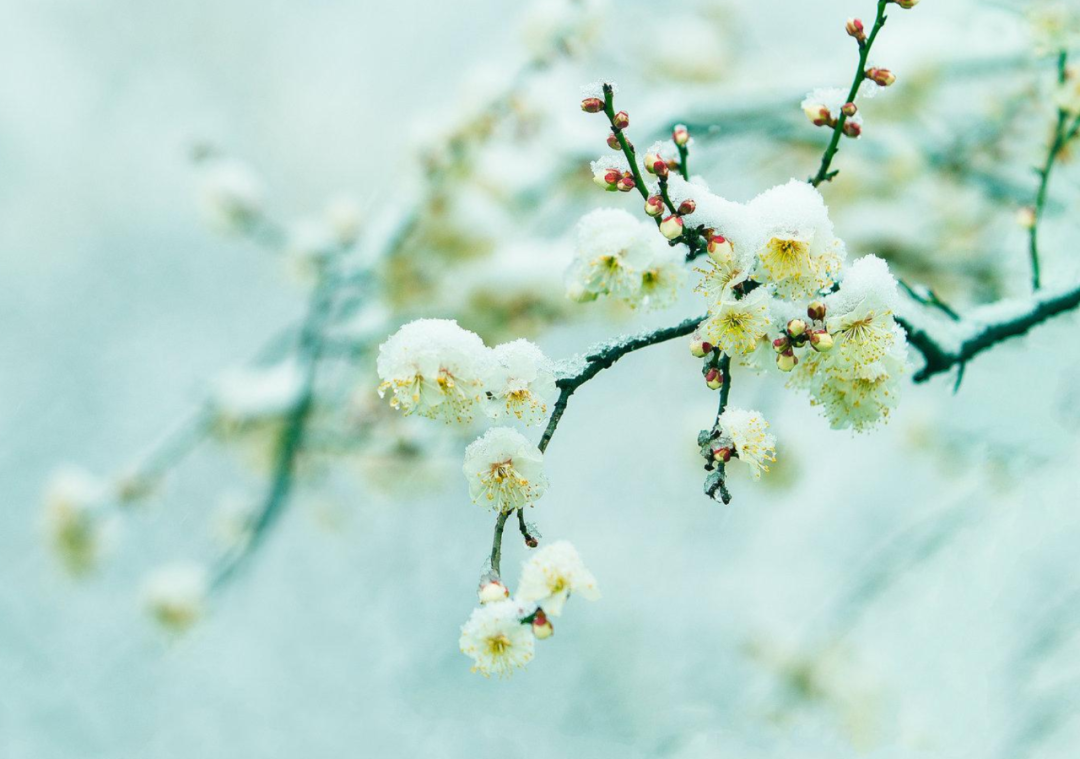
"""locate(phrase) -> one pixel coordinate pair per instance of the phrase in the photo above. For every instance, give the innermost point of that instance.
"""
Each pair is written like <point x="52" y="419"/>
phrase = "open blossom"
<point x="738" y="326"/>
<point x="551" y="574"/>
<point x="799" y="254"/>
<point x="660" y="268"/>
<point x="861" y="317"/>
<point x="747" y="432"/>
<point x="600" y="267"/>
<point x="522" y="382"/>
<point x="176" y="595"/>
<point x="497" y="640"/>
<point x="434" y="368"/>
<point x="504" y="470"/>
<point x="73" y="520"/>
<point x="861" y="400"/>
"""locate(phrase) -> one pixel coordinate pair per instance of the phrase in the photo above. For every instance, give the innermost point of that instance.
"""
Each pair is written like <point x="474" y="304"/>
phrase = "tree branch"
<point x="939" y="359"/>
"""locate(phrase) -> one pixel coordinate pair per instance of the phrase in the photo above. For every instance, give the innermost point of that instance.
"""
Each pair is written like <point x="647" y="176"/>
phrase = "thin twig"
<point x="824" y="174"/>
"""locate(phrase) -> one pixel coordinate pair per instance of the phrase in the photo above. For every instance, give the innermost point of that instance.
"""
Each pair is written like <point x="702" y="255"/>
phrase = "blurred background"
<point x="908" y="592"/>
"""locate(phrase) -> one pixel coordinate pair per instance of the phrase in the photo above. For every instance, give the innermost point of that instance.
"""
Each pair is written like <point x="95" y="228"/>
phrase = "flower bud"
<point x="818" y="114"/>
<point x="855" y="29"/>
<point x="650" y="161"/>
<point x="531" y="542"/>
<point x="786" y="361"/>
<point x="613" y="142"/>
<point x="714" y="379"/>
<point x="671" y="227"/>
<point x="821" y="341"/>
<point x="720" y="249"/>
<point x="852" y="129"/>
<point x="722" y="454"/>
<point x="907" y="4"/>
<point x="654" y="206"/>
<point x="781" y="344"/>
<point x="816" y="310"/>
<point x="491" y="591"/>
<point x="661" y="168"/>
<point x="796" y="327"/>
<point x="1025" y="217"/>
<point x="592" y="105"/>
<point x="882" y="77"/>
<point x="687" y="207"/>
<point x="621" y="120"/>
<point x="541" y="625"/>
<point x="680" y="135"/>
<point x="626" y="182"/>
<point x="700" y="348"/>
<point x="849" y="109"/>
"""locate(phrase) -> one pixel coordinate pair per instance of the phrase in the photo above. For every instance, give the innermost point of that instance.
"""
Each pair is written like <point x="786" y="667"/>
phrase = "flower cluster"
<point x="623" y="257"/>
<point x="501" y="633"/>
<point x="435" y="368"/>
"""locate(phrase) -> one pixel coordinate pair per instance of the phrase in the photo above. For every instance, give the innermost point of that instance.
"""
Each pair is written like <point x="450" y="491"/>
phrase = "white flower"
<point x="861" y="318"/>
<point x="497" y="640"/>
<point x="522" y="382"/>
<point x="747" y="432"/>
<point x="604" y="237"/>
<point x="176" y="595"/>
<point x="737" y="326"/>
<point x="799" y="254"/>
<point x="504" y="470"/>
<point x="73" y="518"/>
<point x="861" y="400"/>
<point x="232" y="196"/>
<point x="551" y="574"/>
<point x="1055" y="26"/>
<point x="659" y="266"/>
<point x="434" y="368"/>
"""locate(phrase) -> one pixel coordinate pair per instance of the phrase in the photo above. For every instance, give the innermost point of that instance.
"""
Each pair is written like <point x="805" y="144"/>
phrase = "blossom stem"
<point x="684" y="153"/>
<point x="1062" y="135"/>
<point x="627" y="148"/>
<point x="496" y="543"/>
<point x="824" y="174"/>
<point x="530" y="540"/>
<point x="939" y="359"/>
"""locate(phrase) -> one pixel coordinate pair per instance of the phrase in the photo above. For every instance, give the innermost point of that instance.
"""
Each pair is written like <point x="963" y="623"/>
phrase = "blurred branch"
<point x="309" y="350"/>
<point x="940" y="359"/>
<point x="1063" y="133"/>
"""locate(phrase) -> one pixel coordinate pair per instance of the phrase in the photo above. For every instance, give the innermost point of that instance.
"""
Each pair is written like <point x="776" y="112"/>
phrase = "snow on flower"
<point x="604" y="237"/>
<point x="660" y="268"/>
<point x="860" y="401"/>
<point x="496" y="639"/>
<point x="552" y="574"/>
<point x="861" y="318"/>
<point x="737" y="326"/>
<point x="176" y="595"/>
<point x="504" y="470"/>
<point x="73" y="498"/>
<point x="747" y="432"/>
<point x="799" y="254"/>
<point x="522" y="383"/>
<point x="434" y="368"/>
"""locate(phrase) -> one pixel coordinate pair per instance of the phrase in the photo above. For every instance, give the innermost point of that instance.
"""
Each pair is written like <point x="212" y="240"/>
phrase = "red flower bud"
<point x="613" y="142"/>
<point x="855" y="29"/>
<point x="592" y="105"/>
<point x="687" y="207"/>
<point x="680" y="135"/>
<point x="881" y="77"/>
<point x="654" y="206"/>
<point x="852" y="129"/>
<point x="621" y="120"/>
